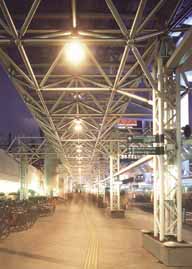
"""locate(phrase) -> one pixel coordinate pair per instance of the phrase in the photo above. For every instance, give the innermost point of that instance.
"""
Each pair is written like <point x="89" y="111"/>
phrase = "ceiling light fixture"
<point x="78" y="125"/>
<point x="75" y="52"/>
<point x="79" y="150"/>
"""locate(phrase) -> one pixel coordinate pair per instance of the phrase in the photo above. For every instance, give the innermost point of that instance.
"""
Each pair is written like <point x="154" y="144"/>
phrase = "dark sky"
<point x="14" y="116"/>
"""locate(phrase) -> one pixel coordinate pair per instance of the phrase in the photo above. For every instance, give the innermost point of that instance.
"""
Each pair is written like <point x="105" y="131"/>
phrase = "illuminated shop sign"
<point x="124" y="123"/>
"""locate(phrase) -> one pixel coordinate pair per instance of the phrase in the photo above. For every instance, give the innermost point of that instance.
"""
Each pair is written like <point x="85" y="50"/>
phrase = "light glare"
<point x="74" y="52"/>
<point x="78" y="126"/>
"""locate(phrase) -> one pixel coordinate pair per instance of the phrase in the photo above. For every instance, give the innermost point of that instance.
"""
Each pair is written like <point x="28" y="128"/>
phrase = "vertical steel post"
<point x="167" y="167"/>
<point x="23" y="178"/>
<point x="66" y="187"/>
<point x="160" y="157"/>
<point x="155" y="166"/>
<point x="178" y="159"/>
<point x="104" y="194"/>
<point x="118" y="195"/>
<point x="111" y="180"/>
<point x="118" y="157"/>
<point x="114" y="185"/>
<point x="98" y="183"/>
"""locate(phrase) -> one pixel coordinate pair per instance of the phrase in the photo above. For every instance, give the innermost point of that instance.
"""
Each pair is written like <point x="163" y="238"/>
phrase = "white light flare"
<point x="75" y="52"/>
<point x="78" y="125"/>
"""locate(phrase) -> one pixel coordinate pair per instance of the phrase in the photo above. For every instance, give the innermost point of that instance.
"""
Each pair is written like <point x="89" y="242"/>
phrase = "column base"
<point x="170" y="253"/>
<point x="116" y="213"/>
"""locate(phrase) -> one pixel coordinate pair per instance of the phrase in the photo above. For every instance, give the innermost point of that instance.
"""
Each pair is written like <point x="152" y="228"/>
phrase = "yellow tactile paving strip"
<point x="92" y="255"/>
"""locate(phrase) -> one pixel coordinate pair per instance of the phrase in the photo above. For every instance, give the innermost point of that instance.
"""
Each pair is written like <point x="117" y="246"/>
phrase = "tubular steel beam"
<point x="180" y="51"/>
<point x="131" y="115"/>
<point x="102" y="72"/>
<point x="132" y="69"/>
<point x="137" y="97"/>
<point x="74" y="14"/>
<point x="117" y="17"/>
<point x="121" y="66"/>
<point x="150" y="15"/>
<point x="60" y="41"/>
<point x="138" y="17"/>
<point x="131" y="166"/>
<point x="7" y="62"/>
<point x="92" y="89"/>
<point x="144" y="67"/>
<point x="51" y="68"/>
<point x="29" y="17"/>
<point x="4" y="25"/>
<point x="8" y="18"/>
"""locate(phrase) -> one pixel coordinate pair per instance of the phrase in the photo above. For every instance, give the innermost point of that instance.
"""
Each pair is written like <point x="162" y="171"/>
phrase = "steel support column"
<point x="50" y="170"/>
<point x="100" y="190"/>
<point x="167" y="167"/>
<point x="114" y="168"/>
<point x="23" y="178"/>
<point x="66" y="187"/>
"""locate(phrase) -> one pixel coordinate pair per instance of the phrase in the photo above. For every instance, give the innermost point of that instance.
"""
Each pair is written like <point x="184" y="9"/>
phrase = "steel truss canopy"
<point x="121" y="40"/>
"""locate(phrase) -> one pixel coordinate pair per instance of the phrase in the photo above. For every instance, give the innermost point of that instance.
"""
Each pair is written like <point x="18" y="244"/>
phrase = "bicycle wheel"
<point x="4" y="230"/>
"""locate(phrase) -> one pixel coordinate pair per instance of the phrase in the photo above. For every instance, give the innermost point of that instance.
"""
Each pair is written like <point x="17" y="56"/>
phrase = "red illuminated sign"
<point x="127" y="122"/>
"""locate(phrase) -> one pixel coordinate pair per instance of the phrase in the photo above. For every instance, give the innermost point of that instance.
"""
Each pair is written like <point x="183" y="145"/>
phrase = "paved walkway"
<point x="79" y="236"/>
<point x="145" y="221"/>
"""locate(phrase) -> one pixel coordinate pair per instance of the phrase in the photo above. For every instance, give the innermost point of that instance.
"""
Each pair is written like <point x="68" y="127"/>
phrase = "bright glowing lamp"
<point x="79" y="150"/>
<point x="78" y="126"/>
<point x="75" y="52"/>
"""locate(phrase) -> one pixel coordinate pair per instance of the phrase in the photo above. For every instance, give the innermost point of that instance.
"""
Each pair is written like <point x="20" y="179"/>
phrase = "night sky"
<point x="14" y="116"/>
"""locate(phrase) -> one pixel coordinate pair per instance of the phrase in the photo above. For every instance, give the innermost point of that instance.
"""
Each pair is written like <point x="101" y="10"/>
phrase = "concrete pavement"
<point x="79" y="236"/>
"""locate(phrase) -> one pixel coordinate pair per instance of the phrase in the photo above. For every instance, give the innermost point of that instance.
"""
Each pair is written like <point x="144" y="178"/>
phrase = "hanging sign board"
<point x="145" y="139"/>
<point x="145" y="151"/>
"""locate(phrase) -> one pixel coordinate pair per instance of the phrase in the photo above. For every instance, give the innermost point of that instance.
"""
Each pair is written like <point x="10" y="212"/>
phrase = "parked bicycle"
<point x="16" y="215"/>
<point x="4" y="223"/>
